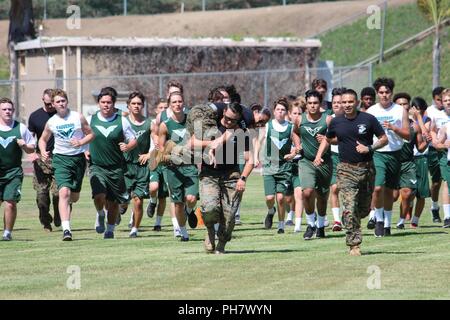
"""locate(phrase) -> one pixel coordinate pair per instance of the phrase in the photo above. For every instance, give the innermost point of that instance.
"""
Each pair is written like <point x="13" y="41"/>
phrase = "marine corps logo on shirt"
<point x="362" y="128"/>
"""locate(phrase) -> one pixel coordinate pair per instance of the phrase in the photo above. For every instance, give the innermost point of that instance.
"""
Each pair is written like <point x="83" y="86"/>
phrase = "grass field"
<point x="259" y="264"/>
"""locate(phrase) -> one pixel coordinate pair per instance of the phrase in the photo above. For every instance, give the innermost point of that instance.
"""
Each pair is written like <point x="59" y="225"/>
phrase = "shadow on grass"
<point x="369" y="253"/>
<point x="21" y="229"/>
<point x="263" y="251"/>
<point x="411" y="233"/>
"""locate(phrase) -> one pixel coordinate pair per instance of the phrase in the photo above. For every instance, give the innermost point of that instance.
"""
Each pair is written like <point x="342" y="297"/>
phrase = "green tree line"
<point x="103" y="8"/>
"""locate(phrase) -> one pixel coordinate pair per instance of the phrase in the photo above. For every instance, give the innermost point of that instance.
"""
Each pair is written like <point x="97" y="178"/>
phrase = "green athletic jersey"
<point x="10" y="152"/>
<point x="278" y="144"/>
<point x="104" y="149"/>
<point x="143" y="140"/>
<point x="176" y="131"/>
<point x="308" y="132"/>
<point x="407" y="151"/>
<point x="164" y="116"/>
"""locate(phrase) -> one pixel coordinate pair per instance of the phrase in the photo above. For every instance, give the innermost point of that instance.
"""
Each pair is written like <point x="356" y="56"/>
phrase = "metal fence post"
<point x="203" y="5"/>
<point x="266" y="94"/>
<point x="125" y="7"/>
<point x="160" y="87"/>
<point x="383" y="25"/>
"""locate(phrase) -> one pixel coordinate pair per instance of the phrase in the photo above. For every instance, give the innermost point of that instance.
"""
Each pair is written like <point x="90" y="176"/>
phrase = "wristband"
<point x="243" y="178"/>
<point x="370" y="148"/>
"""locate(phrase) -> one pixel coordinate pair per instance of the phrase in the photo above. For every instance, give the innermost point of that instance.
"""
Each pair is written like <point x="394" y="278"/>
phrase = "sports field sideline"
<point x="259" y="264"/>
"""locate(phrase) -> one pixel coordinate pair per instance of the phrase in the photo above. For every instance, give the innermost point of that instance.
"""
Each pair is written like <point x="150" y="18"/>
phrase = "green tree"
<point x="436" y="11"/>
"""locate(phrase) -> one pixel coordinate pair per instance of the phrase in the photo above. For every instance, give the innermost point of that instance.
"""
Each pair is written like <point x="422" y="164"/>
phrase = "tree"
<point x="436" y="11"/>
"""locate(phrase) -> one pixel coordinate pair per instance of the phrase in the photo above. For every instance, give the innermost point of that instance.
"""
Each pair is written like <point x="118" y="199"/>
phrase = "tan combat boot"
<point x="355" y="251"/>
<point x="209" y="243"/>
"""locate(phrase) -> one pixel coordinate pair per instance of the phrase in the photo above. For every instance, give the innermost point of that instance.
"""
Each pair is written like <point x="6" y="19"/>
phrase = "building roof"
<point x="55" y="42"/>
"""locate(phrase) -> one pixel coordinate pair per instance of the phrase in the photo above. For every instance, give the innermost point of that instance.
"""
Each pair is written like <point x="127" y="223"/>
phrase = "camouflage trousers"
<point x="220" y="201"/>
<point x="356" y="184"/>
<point x="44" y="183"/>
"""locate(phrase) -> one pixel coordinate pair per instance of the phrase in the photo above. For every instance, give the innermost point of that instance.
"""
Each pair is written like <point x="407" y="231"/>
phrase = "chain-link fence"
<point x="263" y="86"/>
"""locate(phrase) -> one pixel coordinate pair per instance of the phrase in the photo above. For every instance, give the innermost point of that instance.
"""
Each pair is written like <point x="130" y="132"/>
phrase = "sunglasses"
<point x="232" y="120"/>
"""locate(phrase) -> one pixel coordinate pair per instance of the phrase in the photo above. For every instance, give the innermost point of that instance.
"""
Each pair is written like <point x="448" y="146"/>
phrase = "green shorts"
<point x="278" y="183"/>
<point x="335" y="159"/>
<point x="11" y="184"/>
<point x="181" y="182"/>
<point x="158" y="176"/>
<point x="109" y="181"/>
<point x="423" y="183"/>
<point x="137" y="179"/>
<point x="318" y="178"/>
<point x="387" y="168"/>
<point x="408" y="175"/>
<point x="295" y="179"/>
<point x="443" y="165"/>
<point x="433" y="165"/>
<point x="69" y="171"/>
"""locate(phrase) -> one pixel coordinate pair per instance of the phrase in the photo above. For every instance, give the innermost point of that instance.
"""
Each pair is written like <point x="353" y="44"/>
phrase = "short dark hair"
<point x="107" y="91"/>
<point x="235" y="107"/>
<point x="338" y="91"/>
<point x="6" y="100"/>
<point x="313" y="93"/>
<point x="350" y="91"/>
<point x="176" y="84"/>
<point x="135" y="94"/>
<point x="402" y="95"/>
<point x="419" y="103"/>
<point x="232" y="92"/>
<point x="386" y="82"/>
<point x="282" y="101"/>
<point x="175" y="93"/>
<point x="368" y="91"/>
<point x="319" y="83"/>
<point x="437" y="91"/>
<point x="48" y="92"/>
<point x="215" y="95"/>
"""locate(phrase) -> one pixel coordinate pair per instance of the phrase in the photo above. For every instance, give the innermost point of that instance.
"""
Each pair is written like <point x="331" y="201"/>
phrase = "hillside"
<point x="301" y="20"/>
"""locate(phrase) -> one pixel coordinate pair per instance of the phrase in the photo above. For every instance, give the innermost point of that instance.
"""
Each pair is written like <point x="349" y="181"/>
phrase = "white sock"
<point x="238" y="212"/>
<point x="134" y="229"/>
<point x="290" y="215"/>
<point x="184" y="232"/>
<point x="434" y="205"/>
<point x="132" y="217"/>
<point x="336" y="214"/>
<point x="271" y="211"/>
<point x="110" y="227"/>
<point x="415" y="220"/>
<point x="447" y="211"/>
<point x="379" y="214"/>
<point x="281" y="225"/>
<point x="298" y="224"/>
<point x="387" y="218"/>
<point x="311" y="219"/>
<point x="216" y="227"/>
<point x="6" y="233"/>
<point x="372" y="214"/>
<point x="320" y="221"/>
<point x="175" y="223"/>
<point x="65" y="225"/>
<point x="158" y="220"/>
<point x="401" y="221"/>
<point x="153" y="200"/>
<point x="101" y="213"/>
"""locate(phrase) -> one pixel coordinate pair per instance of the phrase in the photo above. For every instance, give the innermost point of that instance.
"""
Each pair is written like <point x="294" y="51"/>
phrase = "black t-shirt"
<point x="36" y="124"/>
<point x="230" y="155"/>
<point x="247" y="120"/>
<point x="362" y="128"/>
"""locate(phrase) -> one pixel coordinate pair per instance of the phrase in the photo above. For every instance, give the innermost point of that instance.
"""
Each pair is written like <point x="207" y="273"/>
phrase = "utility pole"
<point x="124" y="7"/>
<point x="203" y="5"/>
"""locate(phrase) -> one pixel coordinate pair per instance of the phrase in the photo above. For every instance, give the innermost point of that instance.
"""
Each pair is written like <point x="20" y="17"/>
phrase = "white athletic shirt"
<point x="65" y="129"/>
<point x="334" y="147"/>
<point x="447" y="127"/>
<point x="26" y="135"/>
<point x="393" y="114"/>
<point x="439" y="117"/>
<point x="152" y="144"/>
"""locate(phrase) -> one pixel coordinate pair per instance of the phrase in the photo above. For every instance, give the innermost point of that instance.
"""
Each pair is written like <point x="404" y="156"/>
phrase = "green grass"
<point x="260" y="264"/>
<point x="412" y="70"/>
<point x="353" y="43"/>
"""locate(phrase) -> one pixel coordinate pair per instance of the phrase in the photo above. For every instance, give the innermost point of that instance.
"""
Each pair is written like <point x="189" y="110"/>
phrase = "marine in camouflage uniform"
<point x="44" y="180"/>
<point x="354" y="133"/>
